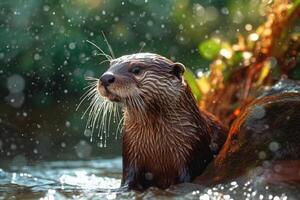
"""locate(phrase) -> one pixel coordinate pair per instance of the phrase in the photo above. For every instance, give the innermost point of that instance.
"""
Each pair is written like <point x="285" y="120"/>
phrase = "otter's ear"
<point x="178" y="69"/>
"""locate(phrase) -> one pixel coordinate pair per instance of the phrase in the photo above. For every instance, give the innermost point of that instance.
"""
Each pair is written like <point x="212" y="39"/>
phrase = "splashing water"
<point x="100" y="179"/>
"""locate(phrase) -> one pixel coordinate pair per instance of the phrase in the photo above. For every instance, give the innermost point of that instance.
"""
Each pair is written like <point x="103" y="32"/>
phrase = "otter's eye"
<point x="135" y="70"/>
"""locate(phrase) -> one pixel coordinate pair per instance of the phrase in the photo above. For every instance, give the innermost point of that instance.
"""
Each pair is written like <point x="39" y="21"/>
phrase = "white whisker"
<point x="89" y="78"/>
<point x="108" y="57"/>
<point x="108" y="45"/>
<point x="104" y="61"/>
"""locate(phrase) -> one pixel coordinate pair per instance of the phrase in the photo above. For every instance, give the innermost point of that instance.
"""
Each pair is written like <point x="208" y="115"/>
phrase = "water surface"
<point x="100" y="179"/>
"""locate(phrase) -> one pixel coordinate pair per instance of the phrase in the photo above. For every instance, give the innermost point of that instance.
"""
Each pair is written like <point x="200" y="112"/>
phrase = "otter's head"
<point x="142" y="77"/>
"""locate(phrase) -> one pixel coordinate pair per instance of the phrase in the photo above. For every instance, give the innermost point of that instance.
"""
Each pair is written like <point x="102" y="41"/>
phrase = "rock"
<point x="263" y="141"/>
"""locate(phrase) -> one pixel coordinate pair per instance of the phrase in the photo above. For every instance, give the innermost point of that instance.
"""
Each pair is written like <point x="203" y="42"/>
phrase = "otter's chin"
<point x="108" y="95"/>
<point x="113" y="98"/>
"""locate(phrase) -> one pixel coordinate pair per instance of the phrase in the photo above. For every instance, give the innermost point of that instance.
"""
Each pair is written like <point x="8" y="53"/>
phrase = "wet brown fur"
<point x="166" y="139"/>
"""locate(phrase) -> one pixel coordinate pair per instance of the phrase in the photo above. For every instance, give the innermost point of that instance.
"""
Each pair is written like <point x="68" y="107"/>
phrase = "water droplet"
<point x="36" y="56"/>
<point x="274" y="146"/>
<point x="72" y="45"/>
<point x="46" y="8"/>
<point x="68" y="124"/>
<point x="13" y="147"/>
<point x="258" y="112"/>
<point x="15" y="83"/>
<point x="87" y="133"/>
<point x="1" y="56"/>
<point x="83" y="149"/>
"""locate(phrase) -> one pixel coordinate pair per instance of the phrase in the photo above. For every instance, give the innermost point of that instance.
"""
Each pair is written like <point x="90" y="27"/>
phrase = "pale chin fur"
<point x="122" y="93"/>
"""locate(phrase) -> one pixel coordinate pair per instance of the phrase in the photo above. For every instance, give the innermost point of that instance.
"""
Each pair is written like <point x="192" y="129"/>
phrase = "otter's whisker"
<point x="108" y="57"/>
<point x="109" y="47"/>
<point x="104" y="61"/>
<point x="91" y="106"/>
<point x="90" y="117"/>
<point x="105" y="110"/>
<point x="107" y="122"/>
<point x="88" y="87"/>
<point x="108" y="125"/>
<point x="96" y="113"/>
<point x="142" y="47"/>
<point x="102" y="123"/>
<point x="100" y="116"/>
<point x="99" y="119"/>
<point x="91" y="88"/>
<point x="83" y="98"/>
<point x="100" y="54"/>
<point x="116" y="117"/>
<point x="91" y="91"/>
<point x="111" y="107"/>
<point x="93" y="111"/>
<point x="120" y="126"/>
<point x="89" y="78"/>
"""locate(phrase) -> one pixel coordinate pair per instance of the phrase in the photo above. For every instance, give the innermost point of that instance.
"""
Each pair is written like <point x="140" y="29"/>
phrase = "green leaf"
<point x="191" y="81"/>
<point x="236" y="58"/>
<point x="210" y="49"/>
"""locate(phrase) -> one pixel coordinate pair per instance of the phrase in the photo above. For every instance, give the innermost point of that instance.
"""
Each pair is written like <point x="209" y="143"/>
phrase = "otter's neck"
<point x="182" y="114"/>
<point x="170" y="110"/>
<point x="173" y="143"/>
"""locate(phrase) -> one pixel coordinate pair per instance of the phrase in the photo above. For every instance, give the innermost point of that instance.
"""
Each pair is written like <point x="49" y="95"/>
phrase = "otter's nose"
<point x="107" y="79"/>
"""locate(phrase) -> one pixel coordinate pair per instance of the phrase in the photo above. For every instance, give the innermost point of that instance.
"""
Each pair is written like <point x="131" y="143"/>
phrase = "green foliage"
<point x="191" y="80"/>
<point x="210" y="48"/>
<point x="44" y="42"/>
<point x="37" y="36"/>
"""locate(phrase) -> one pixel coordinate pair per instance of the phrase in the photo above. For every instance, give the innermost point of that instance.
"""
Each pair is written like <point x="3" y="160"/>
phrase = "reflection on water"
<point x="100" y="179"/>
<point x="59" y="179"/>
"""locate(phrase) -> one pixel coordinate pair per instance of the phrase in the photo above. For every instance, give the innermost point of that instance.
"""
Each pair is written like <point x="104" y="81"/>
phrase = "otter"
<point x="167" y="139"/>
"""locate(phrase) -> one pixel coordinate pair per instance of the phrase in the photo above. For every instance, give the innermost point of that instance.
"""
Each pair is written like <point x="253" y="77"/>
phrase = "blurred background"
<point x="45" y="56"/>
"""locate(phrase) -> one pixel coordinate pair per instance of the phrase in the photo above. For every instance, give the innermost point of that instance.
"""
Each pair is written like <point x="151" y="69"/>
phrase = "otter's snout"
<point x="107" y="79"/>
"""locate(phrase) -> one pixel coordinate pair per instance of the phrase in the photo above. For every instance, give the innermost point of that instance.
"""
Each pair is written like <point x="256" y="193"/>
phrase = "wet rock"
<point x="263" y="140"/>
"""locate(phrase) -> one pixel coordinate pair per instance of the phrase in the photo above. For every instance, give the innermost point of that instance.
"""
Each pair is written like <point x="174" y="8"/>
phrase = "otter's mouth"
<point x="106" y="93"/>
<point x="111" y="96"/>
<point x="116" y="93"/>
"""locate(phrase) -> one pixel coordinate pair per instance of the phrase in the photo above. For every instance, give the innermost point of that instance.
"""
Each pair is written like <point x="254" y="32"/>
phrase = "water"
<point x="100" y="179"/>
